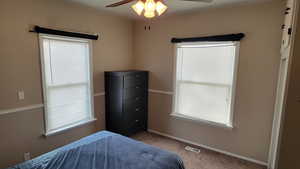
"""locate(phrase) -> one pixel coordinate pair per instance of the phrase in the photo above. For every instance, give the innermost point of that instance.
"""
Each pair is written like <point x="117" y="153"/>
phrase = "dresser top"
<point x="125" y="72"/>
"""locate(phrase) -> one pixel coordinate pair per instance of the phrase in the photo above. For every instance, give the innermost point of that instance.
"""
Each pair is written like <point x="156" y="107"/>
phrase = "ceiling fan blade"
<point x="119" y="3"/>
<point x="205" y="1"/>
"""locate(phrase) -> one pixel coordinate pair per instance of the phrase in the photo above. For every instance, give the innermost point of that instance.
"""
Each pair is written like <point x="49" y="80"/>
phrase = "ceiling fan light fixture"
<point x="150" y="5"/>
<point x="138" y="7"/>
<point x="160" y="8"/>
<point x="149" y="8"/>
<point x="149" y="14"/>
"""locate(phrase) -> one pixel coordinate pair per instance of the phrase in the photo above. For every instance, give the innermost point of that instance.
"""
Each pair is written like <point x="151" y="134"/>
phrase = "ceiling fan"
<point x="150" y="8"/>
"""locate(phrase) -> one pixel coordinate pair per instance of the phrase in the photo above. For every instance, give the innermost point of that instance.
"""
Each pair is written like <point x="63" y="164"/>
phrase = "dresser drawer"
<point x="134" y="123"/>
<point x="135" y="81"/>
<point x="137" y="105"/>
<point x="135" y="92"/>
<point x="139" y="99"/>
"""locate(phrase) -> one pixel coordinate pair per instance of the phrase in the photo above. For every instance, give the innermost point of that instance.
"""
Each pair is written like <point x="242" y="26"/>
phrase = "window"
<point x="67" y="82"/>
<point x="205" y="81"/>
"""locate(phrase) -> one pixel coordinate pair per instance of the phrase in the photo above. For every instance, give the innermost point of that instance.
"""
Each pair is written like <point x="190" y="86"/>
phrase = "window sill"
<point x="202" y="121"/>
<point x="58" y="131"/>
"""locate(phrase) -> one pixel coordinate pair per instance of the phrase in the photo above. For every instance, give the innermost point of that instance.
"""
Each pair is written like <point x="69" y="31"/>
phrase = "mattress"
<point x="105" y="150"/>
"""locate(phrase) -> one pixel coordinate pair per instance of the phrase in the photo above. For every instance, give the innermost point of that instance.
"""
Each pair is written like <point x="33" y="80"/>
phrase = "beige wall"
<point x="257" y="73"/>
<point x="19" y="68"/>
<point x="289" y="152"/>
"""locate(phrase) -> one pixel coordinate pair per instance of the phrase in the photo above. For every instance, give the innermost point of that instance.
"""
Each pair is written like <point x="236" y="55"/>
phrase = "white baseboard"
<point x="209" y="148"/>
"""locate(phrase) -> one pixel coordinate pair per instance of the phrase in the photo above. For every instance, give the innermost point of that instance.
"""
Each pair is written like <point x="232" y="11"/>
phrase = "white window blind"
<point x="66" y="82"/>
<point x="205" y="77"/>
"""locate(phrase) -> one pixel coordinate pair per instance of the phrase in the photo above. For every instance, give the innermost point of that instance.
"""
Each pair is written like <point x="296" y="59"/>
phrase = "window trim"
<point x="43" y="36"/>
<point x="180" y="116"/>
<point x="63" y="129"/>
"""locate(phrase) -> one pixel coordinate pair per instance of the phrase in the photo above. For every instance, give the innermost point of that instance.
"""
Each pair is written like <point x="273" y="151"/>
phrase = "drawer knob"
<point x="137" y="109"/>
<point x="137" y="87"/>
<point x="136" y="120"/>
<point x="137" y="98"/>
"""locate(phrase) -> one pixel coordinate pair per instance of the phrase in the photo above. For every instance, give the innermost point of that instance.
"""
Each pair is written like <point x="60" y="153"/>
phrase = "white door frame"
<point x="285" y="65"/>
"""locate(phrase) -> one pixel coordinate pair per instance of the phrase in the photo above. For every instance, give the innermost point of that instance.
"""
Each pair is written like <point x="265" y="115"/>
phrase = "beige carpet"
<point x="206" y="159"/>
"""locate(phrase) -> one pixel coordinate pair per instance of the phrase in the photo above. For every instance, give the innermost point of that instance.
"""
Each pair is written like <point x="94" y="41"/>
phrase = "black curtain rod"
<point x="217" y="38"/>
<point x="39" y="29"/>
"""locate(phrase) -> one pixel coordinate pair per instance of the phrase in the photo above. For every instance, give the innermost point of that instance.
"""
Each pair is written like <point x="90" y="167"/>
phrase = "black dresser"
<point x="126" y="101"/>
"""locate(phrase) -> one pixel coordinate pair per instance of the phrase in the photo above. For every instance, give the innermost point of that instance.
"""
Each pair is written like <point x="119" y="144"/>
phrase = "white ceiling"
<point x="175" y="6"/>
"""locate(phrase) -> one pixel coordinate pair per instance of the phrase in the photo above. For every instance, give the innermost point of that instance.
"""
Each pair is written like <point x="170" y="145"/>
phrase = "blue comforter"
<point x="105" y="150"/>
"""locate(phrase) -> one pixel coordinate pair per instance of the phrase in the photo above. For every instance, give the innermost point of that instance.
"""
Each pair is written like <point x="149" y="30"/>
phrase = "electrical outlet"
<point x="27" y="156"/>
<point x="21" y="95"/>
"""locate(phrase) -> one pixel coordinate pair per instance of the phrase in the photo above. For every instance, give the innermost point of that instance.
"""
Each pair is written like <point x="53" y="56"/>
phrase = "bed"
<point x="105" y="150"/>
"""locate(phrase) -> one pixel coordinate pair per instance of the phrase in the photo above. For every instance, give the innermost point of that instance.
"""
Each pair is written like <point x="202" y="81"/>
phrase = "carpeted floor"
<point x="206" y="159"/>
